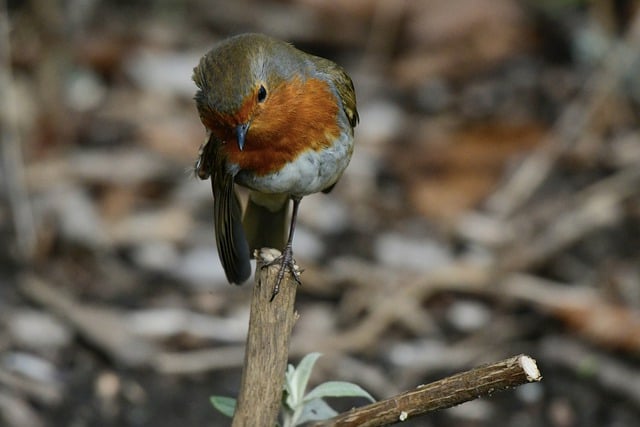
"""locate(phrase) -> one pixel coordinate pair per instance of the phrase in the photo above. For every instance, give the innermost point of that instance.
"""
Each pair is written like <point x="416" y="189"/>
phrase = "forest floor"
<point x="491" y="208"/>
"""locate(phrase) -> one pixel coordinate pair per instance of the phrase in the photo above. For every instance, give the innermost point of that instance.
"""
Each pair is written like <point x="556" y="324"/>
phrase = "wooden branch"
<point x="441" y="394"/>
<point x="266" y="354"/>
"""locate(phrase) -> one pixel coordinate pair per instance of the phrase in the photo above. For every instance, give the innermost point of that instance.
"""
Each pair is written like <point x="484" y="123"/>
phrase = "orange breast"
<point x="296" y="117"/>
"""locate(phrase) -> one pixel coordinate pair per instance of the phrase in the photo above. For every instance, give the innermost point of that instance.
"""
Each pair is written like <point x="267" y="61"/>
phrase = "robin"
<point x="279" y="122"/>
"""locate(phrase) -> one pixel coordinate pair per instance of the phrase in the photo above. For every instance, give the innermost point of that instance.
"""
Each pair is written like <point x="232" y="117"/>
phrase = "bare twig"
<point x="408" y="289"/>
<point x="195" y="361"/>
<point x="48" y="393"/>
<point x="601" y="368"/>
<point x="16" y="411"/>
<point x="13" y="167"/>
<point x="597" y="206"/>
<point x="267" y="349"/>
<point x="107" y="329"/>
<point x="441" y="394"/>
<point x="583" y="309"/>
<point x="385" y="27"/>
<point x="571" y="127"/>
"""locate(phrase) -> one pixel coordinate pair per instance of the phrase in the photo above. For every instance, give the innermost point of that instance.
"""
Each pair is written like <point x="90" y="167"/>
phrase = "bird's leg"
<point x="286" y="259"/>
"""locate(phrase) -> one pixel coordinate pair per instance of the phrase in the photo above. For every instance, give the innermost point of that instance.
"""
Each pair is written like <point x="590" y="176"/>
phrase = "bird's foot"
<point x="286" y="262"/>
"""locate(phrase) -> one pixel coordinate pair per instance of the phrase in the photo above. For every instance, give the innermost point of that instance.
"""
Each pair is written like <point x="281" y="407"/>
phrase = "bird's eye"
<point x="262" y="94"/>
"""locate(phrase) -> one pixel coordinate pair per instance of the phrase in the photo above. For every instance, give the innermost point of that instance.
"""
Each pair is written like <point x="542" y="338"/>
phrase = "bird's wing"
<point x="343" y="85"/>
<point x="227" y="214"/>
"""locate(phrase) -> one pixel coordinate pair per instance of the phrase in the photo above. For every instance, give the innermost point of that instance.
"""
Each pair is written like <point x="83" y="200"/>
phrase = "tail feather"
<point x="265" y="221"/>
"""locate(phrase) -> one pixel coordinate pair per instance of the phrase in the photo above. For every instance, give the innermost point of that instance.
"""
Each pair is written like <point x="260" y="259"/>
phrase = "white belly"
<point x="310" y="173"/>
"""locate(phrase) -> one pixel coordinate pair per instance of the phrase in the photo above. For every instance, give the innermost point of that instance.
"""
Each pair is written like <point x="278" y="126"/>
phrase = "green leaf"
<point x="316" y="410"/>
<point x="288" y="378"/>
<point x="337" y="389"/>
<point x="226" y="405"/>
<point x="298" y="378"/>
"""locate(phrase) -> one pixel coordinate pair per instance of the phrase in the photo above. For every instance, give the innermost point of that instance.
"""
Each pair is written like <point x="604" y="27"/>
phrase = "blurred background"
<point x="491" y="208"/>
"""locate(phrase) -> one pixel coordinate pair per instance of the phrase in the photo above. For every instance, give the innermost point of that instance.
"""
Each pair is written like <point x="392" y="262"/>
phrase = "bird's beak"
<point x="241" y="134"/>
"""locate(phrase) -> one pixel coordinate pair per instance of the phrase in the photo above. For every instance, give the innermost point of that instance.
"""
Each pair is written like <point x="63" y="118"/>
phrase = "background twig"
<point x="12" y="162"/>
<point x="571" y="128"/>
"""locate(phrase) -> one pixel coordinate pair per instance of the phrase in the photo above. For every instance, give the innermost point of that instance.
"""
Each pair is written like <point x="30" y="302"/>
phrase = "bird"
<point x="279" y="122"/>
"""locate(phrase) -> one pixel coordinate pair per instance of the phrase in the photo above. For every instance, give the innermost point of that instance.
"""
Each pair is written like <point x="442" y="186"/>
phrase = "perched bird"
<point x="279" y="122"/>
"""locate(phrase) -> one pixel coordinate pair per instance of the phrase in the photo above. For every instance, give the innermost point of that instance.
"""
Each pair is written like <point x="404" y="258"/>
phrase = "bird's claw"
<point x="286" y="262"/>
